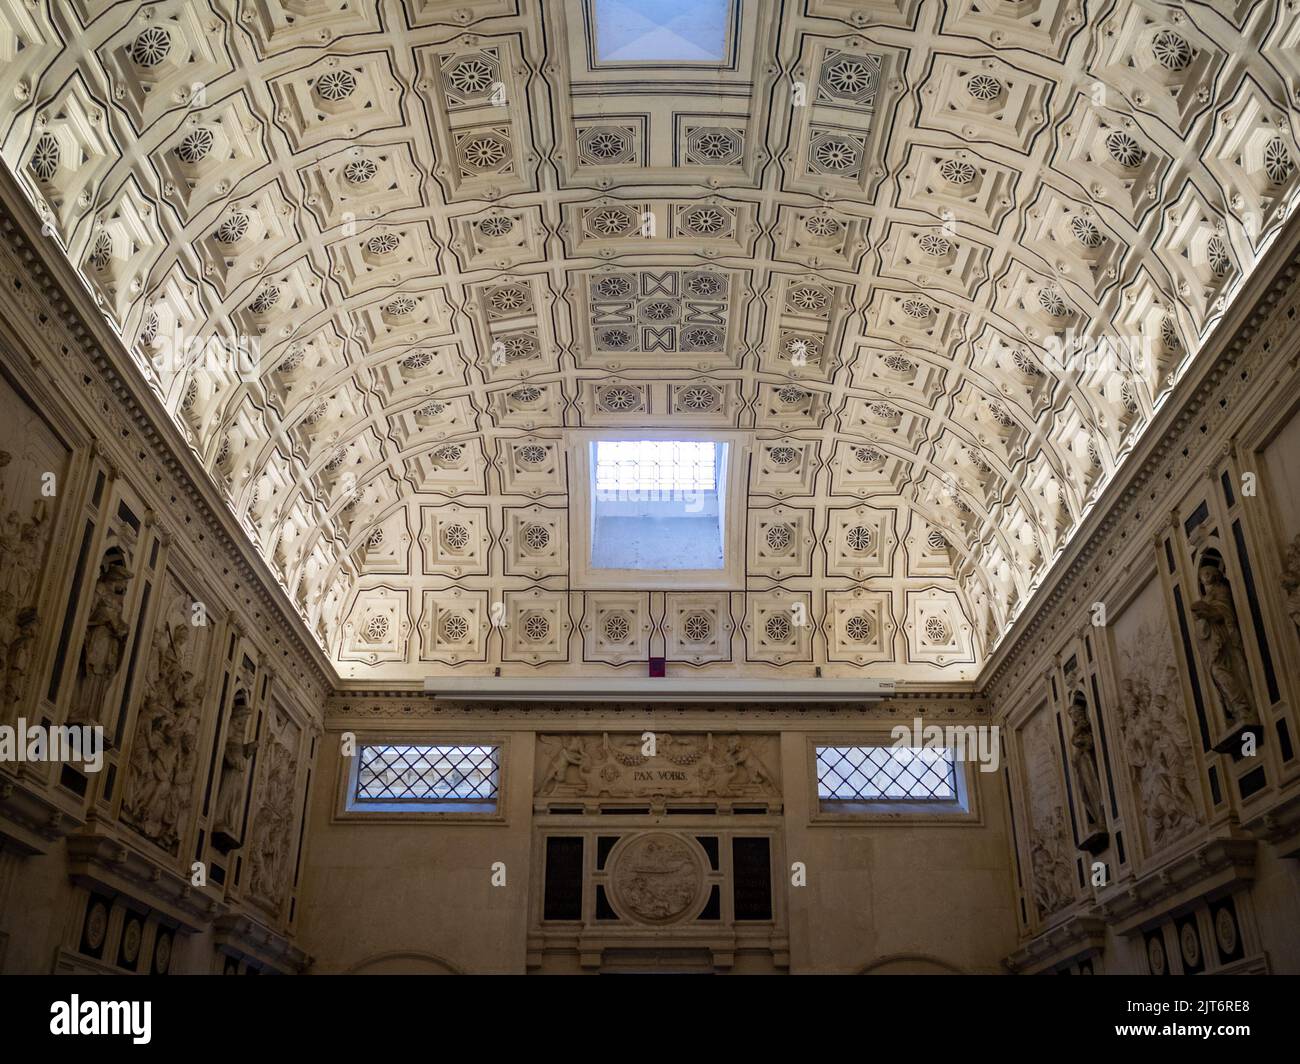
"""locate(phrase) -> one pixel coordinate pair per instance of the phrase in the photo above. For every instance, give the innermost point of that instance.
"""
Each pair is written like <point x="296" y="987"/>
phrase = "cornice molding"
<point x="1172" y="430"/>
<point x="66" y="297"/>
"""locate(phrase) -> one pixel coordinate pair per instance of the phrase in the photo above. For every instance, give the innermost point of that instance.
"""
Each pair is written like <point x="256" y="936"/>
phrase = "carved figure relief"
<point x="228" y="821"/>
<point x="1219" y="637"/>
<point x="21" y="549"/>
<point x="105" y="642"/>
<point x="1051" y="864"/>
<point x="657" y="878"/>
<point x="594" y="765"/>
<point x="1049" y="851"/>
<point x="273" y="825"/>
<point x="1153" y="723"/>
<point x="161" y="770"/>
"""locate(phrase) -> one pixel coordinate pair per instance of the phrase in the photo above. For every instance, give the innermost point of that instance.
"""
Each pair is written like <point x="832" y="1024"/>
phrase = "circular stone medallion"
<point x="96" y="925"/>
<point x="1156" y="955"/>
<point x="1225" y="931"/>
<point x="1190" y="945"/>
<point x="658" y="878"/>
<point x="131" y="941"/>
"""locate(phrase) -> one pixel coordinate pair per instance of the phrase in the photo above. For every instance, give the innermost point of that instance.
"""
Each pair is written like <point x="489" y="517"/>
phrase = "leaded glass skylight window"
<point x="427" y="776"/>
<point x="886" y="774"/>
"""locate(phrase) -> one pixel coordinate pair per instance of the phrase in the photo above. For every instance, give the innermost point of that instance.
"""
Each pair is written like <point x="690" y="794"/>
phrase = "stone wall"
<point x="465" y="892"/>
<point x="1150" y="696"/>
<point x="127" y="604"/>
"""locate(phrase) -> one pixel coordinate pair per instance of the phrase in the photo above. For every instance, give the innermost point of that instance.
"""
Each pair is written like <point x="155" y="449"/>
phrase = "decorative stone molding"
<point x="1214" y="866"/>
<point x="97" y="859"/>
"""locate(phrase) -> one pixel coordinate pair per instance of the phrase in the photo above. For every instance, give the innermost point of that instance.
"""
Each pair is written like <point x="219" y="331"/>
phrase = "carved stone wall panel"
<point x="1157" y="744"/>
<point x="1051" y="855"/>
<point x="594" y="766"/>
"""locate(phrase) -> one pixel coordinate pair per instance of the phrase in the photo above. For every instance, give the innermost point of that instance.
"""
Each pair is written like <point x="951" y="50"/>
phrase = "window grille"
<point x="421" y="773"/>
<point x="885" y="773"/>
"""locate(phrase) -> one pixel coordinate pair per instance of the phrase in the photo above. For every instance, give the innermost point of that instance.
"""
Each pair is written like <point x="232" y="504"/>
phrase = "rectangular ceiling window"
<point x="421" y="776"/>
<point x="885" y="774"/>
<point x="655" y="504"/>
<point x="662" y="31"/>
<point x="656" y="466"/>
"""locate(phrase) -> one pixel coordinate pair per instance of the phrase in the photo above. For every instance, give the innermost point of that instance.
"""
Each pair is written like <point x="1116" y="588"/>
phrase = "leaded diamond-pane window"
<point x="428" y="774"/>
<point x="885" y="773"/>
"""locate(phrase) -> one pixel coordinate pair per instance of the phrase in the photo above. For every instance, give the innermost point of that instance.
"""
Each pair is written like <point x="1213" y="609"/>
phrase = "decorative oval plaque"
<point x="657" y="878"/>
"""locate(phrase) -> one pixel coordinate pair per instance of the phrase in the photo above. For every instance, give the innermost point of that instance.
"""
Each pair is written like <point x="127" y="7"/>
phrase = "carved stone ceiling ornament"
<point x="942" y="260"/>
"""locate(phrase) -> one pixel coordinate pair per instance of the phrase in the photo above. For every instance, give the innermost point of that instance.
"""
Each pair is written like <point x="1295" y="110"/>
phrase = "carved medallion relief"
<point x="657" y="877"/>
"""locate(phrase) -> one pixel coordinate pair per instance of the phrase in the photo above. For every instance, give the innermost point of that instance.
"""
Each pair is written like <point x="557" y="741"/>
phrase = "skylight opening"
<point x="662" y="31"/>
<point x="656" y="467"/>
<point x="655" y="504"/>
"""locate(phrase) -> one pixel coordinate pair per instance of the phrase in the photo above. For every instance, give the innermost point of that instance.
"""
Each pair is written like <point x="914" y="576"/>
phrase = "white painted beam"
<point x="652" y="689"/>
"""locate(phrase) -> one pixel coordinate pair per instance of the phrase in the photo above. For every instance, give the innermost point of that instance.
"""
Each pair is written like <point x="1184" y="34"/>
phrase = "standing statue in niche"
<point x="234" y="770"/>
<point x="1219" y="637"/>
<point x="104" y="645"/>
<point x="1083" y="759"/>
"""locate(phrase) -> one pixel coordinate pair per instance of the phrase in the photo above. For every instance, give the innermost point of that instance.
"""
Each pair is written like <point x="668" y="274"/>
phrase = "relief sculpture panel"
<point x="1153" y="721"/>
<point x="727" y="766"/>
<point x="1050" y="854"/>
<point x="32" y="464"/>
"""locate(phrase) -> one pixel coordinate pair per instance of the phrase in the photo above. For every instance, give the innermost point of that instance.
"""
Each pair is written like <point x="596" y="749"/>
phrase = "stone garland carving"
<point x="1219" y="637"/>
<point x="104" y="645"/>
<point x="616" y="765"/>
<point x="273" y="827"/>
<point x="228" y="821"/>
<point x="164" y="750"/>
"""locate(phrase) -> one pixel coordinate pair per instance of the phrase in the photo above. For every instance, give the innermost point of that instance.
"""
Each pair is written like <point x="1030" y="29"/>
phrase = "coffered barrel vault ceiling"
<point x="379" y="258"/>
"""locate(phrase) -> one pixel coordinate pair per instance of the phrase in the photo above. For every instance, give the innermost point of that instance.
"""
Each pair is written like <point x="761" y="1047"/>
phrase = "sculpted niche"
<point x="1218" y="635"/>
<point x="104" y="645"/>
<point x="1083" y="762"/>
<point x="1049" y="854"/>
<point x="236" y="756"/>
